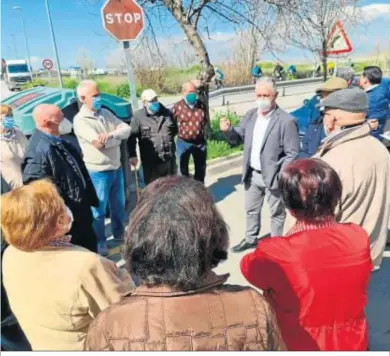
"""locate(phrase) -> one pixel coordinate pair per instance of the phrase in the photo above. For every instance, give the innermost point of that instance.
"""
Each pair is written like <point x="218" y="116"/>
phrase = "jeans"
<point x="199" y="153"/>
<point x="110" y="189"/>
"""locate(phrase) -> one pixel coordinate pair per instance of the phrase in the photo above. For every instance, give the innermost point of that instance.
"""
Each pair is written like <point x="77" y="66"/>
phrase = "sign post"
<point x="338" y="43"/>
<point x="124" y="20"/>
<point x="48" y="65"/>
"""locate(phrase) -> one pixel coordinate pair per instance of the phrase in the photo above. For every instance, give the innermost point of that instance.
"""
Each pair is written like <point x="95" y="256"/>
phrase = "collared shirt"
<point x="371" y="87"/>
<point x="259" y="131"/>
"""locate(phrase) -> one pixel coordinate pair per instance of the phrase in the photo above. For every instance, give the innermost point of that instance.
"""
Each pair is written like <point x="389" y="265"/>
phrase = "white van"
<point x="16" y="74"/>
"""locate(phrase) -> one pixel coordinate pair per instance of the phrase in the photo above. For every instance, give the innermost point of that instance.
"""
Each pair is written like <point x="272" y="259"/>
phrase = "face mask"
<point x="154" y="107"/>
<point x="70" y="214"/>
<point x="191" y="98"/>
<point x="264" y="105"/>
<point x="8" y="122"/>
<point x="97" y="103"/>
<point x="65" y="127"/>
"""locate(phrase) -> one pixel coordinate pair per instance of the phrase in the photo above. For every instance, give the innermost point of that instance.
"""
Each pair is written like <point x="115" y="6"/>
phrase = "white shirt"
<point x="259" y="131"/>
<point x="371" y="87"/>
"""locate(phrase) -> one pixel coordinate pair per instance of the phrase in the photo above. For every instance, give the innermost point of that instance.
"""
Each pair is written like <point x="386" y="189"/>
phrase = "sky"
<point x="78" y="29"/>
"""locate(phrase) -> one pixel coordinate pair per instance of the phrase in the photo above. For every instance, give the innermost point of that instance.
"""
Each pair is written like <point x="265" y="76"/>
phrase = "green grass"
<point x="217" y="146"/>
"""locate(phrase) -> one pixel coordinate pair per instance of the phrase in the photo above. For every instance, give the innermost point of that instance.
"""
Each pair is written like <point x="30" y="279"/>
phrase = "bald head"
<point x="189" y="87"/>
<point x="48" y="118"/>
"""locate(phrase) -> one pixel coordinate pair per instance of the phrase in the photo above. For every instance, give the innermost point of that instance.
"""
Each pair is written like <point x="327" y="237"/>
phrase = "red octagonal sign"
<point x="123" y="19"/>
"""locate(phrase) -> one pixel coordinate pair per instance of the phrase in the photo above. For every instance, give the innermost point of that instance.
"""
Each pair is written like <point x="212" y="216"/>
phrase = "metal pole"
<point x="54" y="44"/>
<point x="28" y="49"/>
<point x="130" y="76"/>
<point x="14" y="42"/>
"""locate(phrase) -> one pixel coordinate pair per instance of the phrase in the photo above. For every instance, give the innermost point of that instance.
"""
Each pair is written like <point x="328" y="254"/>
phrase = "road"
<point x="5" y="93"/>
<point x="228" y="194"/>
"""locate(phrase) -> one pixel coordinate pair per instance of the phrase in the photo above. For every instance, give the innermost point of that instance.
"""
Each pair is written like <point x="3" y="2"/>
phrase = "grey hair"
<point x="83" y="86"/>
<point x="345" y="73"/>
<point x="267" y="80"/>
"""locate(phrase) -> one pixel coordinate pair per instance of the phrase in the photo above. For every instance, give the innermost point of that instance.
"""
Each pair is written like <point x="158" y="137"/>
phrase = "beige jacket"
<point x="11" y="157"/>
<point x="363" y="165"/>
<point x="87" y="126"/>
<point x="56" y="292"/>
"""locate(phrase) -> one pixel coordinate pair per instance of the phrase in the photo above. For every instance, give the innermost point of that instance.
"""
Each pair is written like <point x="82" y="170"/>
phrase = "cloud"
<point x="374" y="11"/>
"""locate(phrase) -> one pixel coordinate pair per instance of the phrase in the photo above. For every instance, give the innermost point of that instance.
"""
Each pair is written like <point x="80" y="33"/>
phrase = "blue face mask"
<point x="97" y="103"/>
<point x="191" y="98"/>
<point x="8" y="122"/>
<point x="154" y="107"/>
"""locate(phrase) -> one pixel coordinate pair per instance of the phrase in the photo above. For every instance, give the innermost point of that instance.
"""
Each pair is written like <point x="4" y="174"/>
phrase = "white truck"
<point x="16" y="73"/>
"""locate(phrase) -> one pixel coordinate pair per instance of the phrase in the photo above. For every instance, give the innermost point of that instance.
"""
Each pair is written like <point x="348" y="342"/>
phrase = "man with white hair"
<point x="154" y="129"/>
<point x="100" y="134"/>
<point x="271" y="142"/>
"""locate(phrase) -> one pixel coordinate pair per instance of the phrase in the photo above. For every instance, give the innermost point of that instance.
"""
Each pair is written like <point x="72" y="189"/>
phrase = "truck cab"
<point x="16" y="73"/>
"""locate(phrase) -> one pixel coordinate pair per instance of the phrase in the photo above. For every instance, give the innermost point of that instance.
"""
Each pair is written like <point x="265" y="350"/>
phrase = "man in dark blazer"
<point x="271" y="142"/>
<point x="49" y="156"/>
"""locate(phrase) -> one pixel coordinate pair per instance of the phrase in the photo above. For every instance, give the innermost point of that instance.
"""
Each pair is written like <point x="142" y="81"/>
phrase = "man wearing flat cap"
<point x="315" y="131"/>
<point x="362" y="163"/>
<point x="154" y="129"/>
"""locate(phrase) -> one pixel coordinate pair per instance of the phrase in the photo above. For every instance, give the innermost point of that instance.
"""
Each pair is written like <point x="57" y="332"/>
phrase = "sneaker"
<point x="102" y="249"/>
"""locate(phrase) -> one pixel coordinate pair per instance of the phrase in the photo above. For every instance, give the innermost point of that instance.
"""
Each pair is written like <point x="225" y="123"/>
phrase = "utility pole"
<point x="18" y="8"/>
<point x="14" y="43"/>
<point x="53" y="39"/>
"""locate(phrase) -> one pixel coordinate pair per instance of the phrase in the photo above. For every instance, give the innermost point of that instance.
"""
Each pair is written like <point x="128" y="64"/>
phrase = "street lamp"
<point x="14" y="43"/>
<point x="54" y="44"/>
<point x="18" y="8"/>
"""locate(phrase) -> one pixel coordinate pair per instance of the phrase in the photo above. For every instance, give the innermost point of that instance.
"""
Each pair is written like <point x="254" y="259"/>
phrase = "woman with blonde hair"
<point x="13" y="146"/>
<point x="55" y="289"/>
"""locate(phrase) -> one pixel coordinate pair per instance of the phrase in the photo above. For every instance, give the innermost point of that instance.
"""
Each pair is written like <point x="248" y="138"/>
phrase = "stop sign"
<point x="123" y="19"/>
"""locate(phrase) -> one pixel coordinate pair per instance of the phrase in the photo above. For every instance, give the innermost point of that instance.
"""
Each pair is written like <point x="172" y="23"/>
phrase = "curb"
<point x="222" y="164"/>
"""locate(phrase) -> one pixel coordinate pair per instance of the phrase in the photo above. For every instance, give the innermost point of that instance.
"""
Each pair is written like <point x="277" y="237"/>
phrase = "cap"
<point x="350" y="100"/>
<point x="332" y="84"/>
<point x="148" y="95"/>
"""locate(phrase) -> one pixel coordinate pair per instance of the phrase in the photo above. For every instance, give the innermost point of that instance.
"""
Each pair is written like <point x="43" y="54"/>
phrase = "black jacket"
<point x="58" y="160"/>
<point x="155" y="134"/>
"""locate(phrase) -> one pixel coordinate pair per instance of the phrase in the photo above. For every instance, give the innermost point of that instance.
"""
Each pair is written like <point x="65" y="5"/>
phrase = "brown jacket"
<point x="363" y="164"/>
<point x="214" y="317"/>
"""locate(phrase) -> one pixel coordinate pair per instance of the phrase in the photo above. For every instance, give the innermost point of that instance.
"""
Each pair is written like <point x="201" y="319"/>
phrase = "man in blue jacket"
<point x="378" y="99"/>
<point x="315" y="132"/>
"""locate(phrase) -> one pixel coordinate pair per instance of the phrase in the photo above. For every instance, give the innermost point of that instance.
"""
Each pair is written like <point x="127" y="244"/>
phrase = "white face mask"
<point x="264" y="105"/>
<point x="70" y="214"/>
<point x="65" y="127"/>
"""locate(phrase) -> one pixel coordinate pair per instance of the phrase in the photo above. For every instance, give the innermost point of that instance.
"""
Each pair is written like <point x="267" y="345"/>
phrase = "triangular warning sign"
<point x="338" y="41"/>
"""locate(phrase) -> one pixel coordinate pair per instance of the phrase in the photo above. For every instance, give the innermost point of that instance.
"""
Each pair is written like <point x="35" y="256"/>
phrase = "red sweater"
<point x="317" y="283"/>
<point x="191" y="122"/>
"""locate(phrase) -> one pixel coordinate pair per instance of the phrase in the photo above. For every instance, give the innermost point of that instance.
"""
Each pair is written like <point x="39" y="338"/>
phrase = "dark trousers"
<point x="13" y="338"/>
<point x="155" y="171"/>
<point x="184" y="150"/>
<point x="82" y="231"/>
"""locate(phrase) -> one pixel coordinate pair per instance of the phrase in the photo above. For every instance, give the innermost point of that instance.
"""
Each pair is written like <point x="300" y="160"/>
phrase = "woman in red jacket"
<point x="316" y="277"/>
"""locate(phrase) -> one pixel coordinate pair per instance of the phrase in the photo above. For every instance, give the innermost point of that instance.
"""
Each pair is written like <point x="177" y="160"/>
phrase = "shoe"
<point x="243" y="245"/>
<point x="103" y="249"/>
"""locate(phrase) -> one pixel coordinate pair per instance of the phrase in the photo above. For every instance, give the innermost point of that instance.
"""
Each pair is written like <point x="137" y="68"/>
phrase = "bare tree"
<point x="307" y="24"/>
<point x="84" y="61"/>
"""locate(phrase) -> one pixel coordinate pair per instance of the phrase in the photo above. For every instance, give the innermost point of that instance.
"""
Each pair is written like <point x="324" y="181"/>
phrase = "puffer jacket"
<point x="214" y="317"/>
<point x="316" y="279"/>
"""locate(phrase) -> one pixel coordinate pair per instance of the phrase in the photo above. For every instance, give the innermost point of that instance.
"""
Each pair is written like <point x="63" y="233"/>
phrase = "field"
<point x="168" y="81"/>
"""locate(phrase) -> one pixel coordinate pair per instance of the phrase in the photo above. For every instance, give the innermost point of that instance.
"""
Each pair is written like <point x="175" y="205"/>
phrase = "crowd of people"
<point x="329" y="200"/>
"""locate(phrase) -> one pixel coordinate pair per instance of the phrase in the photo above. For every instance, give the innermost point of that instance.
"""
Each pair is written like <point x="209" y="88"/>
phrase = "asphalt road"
<point x="5" y="93"/>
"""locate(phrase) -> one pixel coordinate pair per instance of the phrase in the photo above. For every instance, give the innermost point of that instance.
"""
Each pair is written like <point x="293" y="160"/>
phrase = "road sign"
<point x="338" y="41"/>
<point x="47" y="64"/>
<point x="123" y="19"/>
